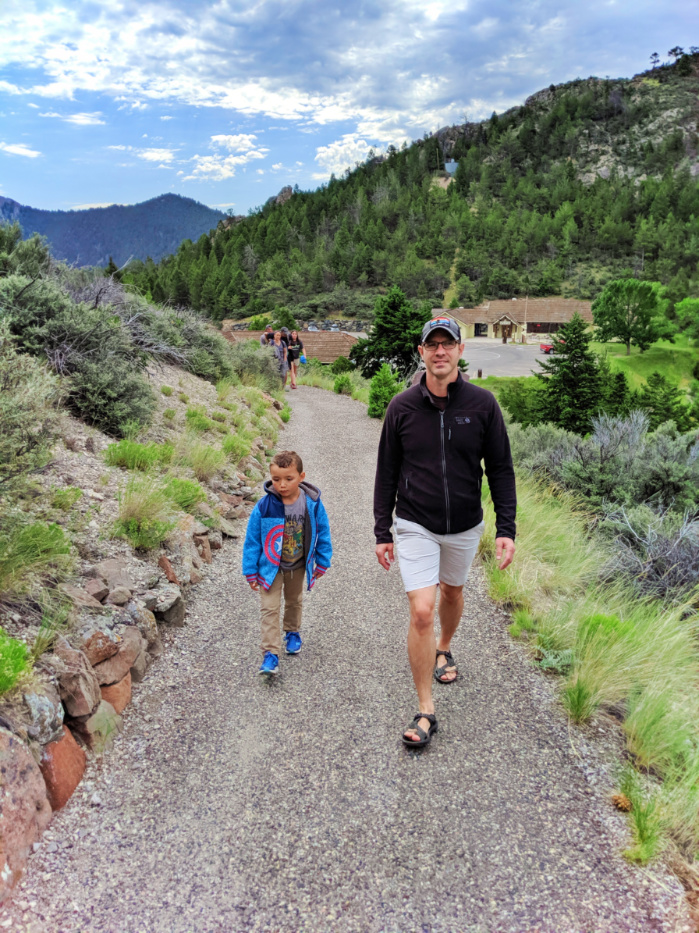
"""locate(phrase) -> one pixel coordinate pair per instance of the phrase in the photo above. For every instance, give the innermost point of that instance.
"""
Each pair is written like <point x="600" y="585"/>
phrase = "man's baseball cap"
<point x="441" y="323"/>
<point x="268" y="327"/>
<point x="285" y="330"/>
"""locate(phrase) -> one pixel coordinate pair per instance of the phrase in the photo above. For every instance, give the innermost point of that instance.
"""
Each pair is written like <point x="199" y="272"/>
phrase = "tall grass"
<point x="14" y="661"/>
<point x="28" y="552"/>
<point x="134" y="456"/>
<point x="638" y="658"/>
<point x="145" y="513"/>
<point x="321" y="377"/>
<point x="203" y="459"/>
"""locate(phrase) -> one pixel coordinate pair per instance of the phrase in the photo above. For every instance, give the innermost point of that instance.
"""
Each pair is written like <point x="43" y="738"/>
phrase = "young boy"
<point x="287" y="533"/>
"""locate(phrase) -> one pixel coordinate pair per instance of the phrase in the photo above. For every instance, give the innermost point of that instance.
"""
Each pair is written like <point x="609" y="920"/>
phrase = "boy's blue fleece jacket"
<point x="265" y="531"/>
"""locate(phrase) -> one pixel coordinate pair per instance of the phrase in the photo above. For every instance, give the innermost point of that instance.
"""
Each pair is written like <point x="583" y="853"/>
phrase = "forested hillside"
<point x="154" y="228"/>
<point x="584" y="183"/>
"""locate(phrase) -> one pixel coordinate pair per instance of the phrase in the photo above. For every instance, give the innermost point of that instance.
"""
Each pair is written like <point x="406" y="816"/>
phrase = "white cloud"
<point x="33" y="106"/>
<point x="156" y="155"/>
<point x="166" y="118"/>
<point x="277" y="166"/>
<point x="87" y="207"/>
<point x="77" y="119"/>
<point x="259" y="171"/>
<point x="19" y="149"/>
<point x="240" y="143"/>
<point x="7" y="88"/>
<point x="220" y="168"/>
<point x="341" y="154"/>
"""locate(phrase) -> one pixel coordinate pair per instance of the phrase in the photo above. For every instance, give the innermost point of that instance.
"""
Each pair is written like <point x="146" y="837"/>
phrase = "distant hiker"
<point x="295" y="351"/>
<point x="288" y="534"/>
<point x="279" y="350"/>
<point x="285" y="341"/>
<point x="267" y="337"/>
<point x="429" y="466"/>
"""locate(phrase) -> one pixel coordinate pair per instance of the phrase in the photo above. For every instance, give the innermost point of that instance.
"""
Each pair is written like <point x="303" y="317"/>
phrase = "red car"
<point x="548" y="346"/>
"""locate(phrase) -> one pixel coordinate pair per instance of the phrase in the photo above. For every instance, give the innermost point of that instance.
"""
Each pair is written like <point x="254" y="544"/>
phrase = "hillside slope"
<point x="153" y="228"/>
<point x="584" y="182"/>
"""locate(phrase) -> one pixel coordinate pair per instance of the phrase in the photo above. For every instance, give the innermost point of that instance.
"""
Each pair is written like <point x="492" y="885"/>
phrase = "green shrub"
<point x="255" y="366"/>
<point x="144" y="513"/>
<point x="221" y="428"/>
<point x="131" y="455"/>
<point x="285" y="414"/>
<point x="14" y="660"/>
<point x="343" y="385"/>
<point x="65" y="498"/>
<point x="185" y="493"/>
<point x="197" y="420"/>
<point x="259" y="322"/>
<point x="384" y="385"/>
<point x="183" y="397"/>
<point x="236" y="446"/>
<point x="166" y="390"/>
<point x="169" y="413"/>
<point x="341" y="365"/>
<point x="218" y="416"/>
<point x="28" y="399"/>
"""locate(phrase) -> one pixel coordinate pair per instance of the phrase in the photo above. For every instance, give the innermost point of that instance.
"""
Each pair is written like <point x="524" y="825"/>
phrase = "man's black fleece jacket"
<point x="429" y="463"/>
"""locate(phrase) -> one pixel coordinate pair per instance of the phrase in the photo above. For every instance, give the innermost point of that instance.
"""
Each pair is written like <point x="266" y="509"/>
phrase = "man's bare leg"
<point x="451" y="606"/>
<point x="421" y="650"/>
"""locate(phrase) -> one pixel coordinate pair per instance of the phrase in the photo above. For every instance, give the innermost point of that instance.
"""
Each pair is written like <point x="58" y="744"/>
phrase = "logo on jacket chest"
<point x="273" y="544"/>
<point x="460" y="419"/>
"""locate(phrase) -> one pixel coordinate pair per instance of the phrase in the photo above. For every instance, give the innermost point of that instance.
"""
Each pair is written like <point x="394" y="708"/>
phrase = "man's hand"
<point x="254" y="585"/>
<point x="384" y="555"/>
<point x="504" y="551"/>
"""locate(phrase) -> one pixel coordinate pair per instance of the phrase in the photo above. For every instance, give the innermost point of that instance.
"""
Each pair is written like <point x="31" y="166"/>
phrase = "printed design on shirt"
<point x="460" y="420"/>
<point x="273" y="544"/>
<point x="292" y="547"/>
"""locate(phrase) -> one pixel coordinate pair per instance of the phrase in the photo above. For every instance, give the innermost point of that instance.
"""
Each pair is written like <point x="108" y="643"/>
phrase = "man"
<point x="267" y="337"/>
<point x="429" y="466"/>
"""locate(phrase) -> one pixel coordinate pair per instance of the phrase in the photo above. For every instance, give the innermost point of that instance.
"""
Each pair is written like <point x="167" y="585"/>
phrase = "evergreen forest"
<point x="587" y="182"/>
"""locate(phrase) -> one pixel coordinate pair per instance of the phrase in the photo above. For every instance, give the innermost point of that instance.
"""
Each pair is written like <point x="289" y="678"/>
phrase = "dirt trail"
<point x="234" y="804"/>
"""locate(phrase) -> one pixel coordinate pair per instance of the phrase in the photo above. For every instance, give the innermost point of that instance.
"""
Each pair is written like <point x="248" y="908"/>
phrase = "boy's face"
<point x="286" y="482"/>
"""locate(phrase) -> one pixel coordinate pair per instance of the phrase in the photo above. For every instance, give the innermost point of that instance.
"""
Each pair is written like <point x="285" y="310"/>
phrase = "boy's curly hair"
<point x="285" y="458"/>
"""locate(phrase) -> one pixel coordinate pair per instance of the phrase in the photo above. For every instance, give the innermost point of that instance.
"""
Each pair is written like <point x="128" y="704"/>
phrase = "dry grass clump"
<point x="204" y="460"/>
<point x="145" y="512"/>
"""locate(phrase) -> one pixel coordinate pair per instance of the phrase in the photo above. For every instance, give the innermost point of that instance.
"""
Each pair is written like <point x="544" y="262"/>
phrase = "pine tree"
<point x="572" y="380"/>
<point x="663" y="401"/>
<point x="394" y="336"/>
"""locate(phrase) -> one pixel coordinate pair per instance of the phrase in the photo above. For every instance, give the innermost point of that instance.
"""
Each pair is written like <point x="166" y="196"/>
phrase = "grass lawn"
<point x="673" y="360"/>
<point x="495" y="383"/>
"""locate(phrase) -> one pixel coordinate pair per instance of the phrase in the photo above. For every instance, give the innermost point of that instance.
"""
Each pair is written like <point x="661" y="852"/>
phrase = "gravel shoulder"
<point x="230" y="803"/>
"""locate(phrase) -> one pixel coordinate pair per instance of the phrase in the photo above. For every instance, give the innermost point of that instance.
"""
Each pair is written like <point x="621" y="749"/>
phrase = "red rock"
<point x="24" y="808"/>
<point x="97" y="589"/>
<point x="99" y="730"/>
<point x="115" y="668"/>
<point x="195" y="577"/>
<point x="77" y="683"/>
<point x="119" y="695"/>
<point x="100" y="646"/>
<point x="204" y="548"/>
<point x="62" y="766"/>
<point x="229" y="499"/>
<point x="167" y="569"/>
<point x="79" y="597"/>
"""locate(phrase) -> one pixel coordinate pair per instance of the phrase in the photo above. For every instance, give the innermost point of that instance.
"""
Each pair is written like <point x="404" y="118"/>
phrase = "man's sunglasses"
<point x="434" y="344"/>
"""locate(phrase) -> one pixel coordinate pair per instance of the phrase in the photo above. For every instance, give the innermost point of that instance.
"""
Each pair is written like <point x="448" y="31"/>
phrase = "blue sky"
<point x="118" y="101"/>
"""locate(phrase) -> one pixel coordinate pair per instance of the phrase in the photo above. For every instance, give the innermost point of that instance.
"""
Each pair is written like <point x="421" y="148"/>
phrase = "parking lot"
<point x="496" y="358"/>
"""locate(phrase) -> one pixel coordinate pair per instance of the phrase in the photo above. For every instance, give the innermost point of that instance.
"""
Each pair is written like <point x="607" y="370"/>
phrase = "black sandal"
<point x="425" y="737"/>
<point x="441" y="670"/>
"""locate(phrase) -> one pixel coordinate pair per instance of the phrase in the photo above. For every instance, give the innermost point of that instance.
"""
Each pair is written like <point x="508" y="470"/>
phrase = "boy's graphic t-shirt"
<point x="292" y="542"/>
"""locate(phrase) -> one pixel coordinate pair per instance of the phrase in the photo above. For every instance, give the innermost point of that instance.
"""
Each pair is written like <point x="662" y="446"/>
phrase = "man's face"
<point x="441" y="354"/>
<point x="286" y="482"/>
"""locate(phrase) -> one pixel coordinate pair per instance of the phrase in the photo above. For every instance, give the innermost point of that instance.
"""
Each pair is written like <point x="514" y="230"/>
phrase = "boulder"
<point x="144" y="620"/>
<point x="228" y="530"/>
<point x="215" y="540"/>
<point x="115" y="668"/>
<point x="97" y="589"/>
<point x="62" y="766"/>
<point x="229" y="499"/>
<point x="24" y="808"/>
<point x="119" y="694"/>
<point x="98" y="730"/>
<point x="77" y="682"/>
<point x="44" y="713"/>
<point x="140" y="666"/>
<point x="96" y="639"/>
<point x="167" y="568"/>
<point x="119" y="596"/>
<point x="203" y="547"/>
<point x="79" y="597"/>
<point x="114" y="572"/>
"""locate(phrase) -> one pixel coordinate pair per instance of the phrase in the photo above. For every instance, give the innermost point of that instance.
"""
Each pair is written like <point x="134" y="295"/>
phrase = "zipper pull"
<point x="449" y="433"/>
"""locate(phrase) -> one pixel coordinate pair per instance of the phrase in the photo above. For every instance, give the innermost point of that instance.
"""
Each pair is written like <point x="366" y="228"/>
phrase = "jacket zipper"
<point x="444" y="467"/>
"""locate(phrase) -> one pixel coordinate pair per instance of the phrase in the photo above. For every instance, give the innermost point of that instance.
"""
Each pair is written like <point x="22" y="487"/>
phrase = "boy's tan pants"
<point x="291" y="583"/>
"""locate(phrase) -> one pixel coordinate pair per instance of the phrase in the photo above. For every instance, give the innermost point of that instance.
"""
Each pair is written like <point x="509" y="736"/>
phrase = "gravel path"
<point x="234" y="804"/>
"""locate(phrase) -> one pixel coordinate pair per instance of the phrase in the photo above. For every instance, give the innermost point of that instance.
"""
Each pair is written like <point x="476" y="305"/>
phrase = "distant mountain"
<point x="154" y="228"/>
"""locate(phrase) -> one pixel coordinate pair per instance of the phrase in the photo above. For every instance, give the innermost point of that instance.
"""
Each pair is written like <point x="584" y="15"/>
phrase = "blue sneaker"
<point x="270" y="664"/>
<point x="293" y="642"/>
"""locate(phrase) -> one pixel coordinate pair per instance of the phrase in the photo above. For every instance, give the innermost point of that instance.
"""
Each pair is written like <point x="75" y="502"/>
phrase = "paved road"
<point x="498" y="359"/>
<point x="234" y="804"/>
